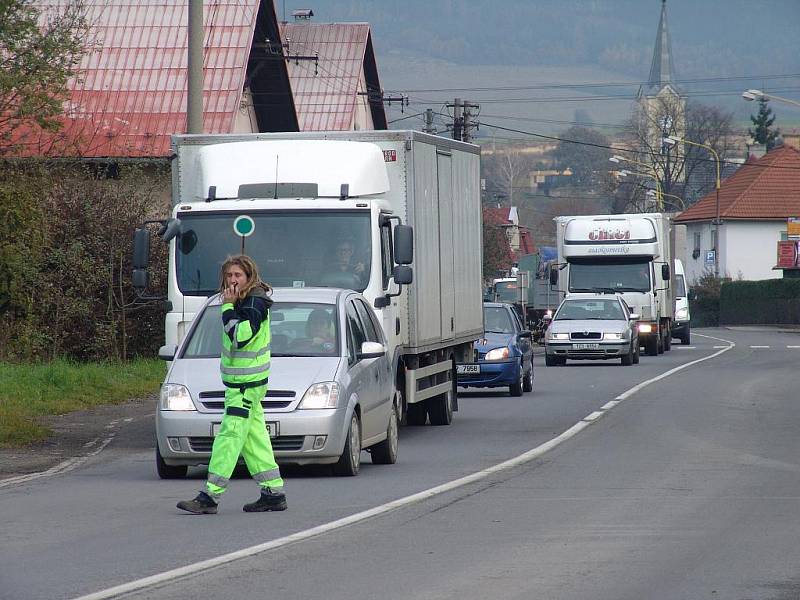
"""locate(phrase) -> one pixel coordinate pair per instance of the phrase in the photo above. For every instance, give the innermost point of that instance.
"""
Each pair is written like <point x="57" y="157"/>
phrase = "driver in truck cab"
<point x="344" y="261"/>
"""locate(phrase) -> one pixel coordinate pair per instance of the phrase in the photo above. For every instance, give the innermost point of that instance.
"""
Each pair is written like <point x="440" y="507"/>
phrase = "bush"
<point x="65" y="288"/>
<point x="704" y="301"/>
<point x="771" y="301"/>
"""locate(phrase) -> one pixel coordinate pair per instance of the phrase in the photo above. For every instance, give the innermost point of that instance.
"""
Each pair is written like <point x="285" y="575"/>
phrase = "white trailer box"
<point x="303" y="191"/>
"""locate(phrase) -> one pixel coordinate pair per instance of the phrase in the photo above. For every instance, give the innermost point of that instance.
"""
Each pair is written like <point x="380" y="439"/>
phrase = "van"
<point x="680" y="327"/>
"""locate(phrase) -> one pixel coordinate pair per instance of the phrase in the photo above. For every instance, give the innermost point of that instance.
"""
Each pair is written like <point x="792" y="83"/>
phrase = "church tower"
<point x="662" y="107"/>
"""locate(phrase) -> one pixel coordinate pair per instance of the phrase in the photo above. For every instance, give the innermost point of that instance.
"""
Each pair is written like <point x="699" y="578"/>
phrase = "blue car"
<point x="504" y="356"/>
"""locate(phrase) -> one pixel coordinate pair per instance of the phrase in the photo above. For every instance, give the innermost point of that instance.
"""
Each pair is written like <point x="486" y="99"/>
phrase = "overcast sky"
<point x="545" y="52"/>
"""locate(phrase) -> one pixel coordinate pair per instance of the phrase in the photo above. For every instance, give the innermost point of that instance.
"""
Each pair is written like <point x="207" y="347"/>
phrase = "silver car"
<point x="592" y="327"/>
<point x="330" y="394"/>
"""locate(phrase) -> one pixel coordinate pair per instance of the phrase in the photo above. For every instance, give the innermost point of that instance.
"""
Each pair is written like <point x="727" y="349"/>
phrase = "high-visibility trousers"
<point x="243" y="432"/>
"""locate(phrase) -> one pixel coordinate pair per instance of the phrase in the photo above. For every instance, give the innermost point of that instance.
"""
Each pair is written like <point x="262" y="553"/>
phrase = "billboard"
<point x="788" y="254"/>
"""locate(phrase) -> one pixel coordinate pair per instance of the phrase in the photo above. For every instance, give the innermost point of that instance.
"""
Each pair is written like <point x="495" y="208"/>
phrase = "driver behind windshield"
<point x="344" y="269"/>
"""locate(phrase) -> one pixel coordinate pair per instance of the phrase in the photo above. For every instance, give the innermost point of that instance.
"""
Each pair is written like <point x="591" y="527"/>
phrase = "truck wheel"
<point x="668" y="341"/>
<point x="660" y="343"/>
<point x="385" y="453"/>
<point x="550" y="360"/>
<point x="440" y="409"/>
<point x="166" y="471"/>
<point x="686" y="337"/>
<point x="350" y="460"/>
<point x="417" y="413"/>
<point x="651" y="346"/>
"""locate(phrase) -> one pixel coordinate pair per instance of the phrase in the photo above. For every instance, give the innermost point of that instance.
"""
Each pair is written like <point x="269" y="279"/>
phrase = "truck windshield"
<point x="611" y="276"/>
<point x="292" y="249"/>
<point x="507" y="291"/>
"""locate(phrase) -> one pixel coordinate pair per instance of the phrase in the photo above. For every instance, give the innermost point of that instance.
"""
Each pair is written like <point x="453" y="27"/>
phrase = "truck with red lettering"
<point x="626" y="254"/>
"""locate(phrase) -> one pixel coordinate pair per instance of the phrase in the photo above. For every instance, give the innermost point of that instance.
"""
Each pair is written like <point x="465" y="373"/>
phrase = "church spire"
<point x="661" y="69"/>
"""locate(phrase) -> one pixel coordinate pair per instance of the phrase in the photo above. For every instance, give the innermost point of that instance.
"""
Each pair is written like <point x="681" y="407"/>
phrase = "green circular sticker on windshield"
<point x="244" y="225"/>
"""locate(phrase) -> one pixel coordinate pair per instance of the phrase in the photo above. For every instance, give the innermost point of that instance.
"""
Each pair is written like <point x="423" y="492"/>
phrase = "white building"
<point x="754" y="206"/>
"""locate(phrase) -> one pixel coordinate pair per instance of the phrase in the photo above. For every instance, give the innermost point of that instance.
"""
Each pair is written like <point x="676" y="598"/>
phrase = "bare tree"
<point x="506" y="171"/>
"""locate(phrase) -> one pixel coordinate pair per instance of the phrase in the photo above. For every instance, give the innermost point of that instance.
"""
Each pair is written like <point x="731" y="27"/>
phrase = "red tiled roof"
<point x="764" y="189"/>
<point x="497" y="216"/>
<point x="326" y="94"/>
<point x="526" y="245"/>
<point x="132" y="96"/>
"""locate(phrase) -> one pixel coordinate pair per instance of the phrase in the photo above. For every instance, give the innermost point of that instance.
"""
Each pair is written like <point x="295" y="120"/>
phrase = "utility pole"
<point x="468" y="125"/>
<point x="428" y="127"/>
<point x="457" y="119"/>
<point x="194" y="92"/>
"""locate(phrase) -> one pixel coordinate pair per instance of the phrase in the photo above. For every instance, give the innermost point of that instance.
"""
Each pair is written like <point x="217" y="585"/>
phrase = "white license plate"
<point x="468" y="369"/>
<point x="272" y="428"/>
<point x="586" y="346"/>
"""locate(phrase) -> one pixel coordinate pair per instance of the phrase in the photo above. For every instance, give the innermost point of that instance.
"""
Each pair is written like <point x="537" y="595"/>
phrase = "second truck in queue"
<point x="627" y="254"/>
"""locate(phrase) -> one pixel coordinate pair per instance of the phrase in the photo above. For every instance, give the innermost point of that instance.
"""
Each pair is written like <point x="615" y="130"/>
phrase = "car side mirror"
<point x="371" y="350"/>
<point x="524" y="334"/>
<point x="167" y="352"/>
<point x="634" y="317"/>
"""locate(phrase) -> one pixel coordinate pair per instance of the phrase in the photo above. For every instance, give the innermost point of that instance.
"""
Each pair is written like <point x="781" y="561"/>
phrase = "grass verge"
<point x="31" y="391"/>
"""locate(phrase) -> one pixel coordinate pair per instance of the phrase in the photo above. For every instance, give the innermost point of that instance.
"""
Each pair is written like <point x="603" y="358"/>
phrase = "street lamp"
<point x="653" y="173"/>
<point x="751" y="95"/>
<point x="678" y="198"/>
<point x="672" y="141"/>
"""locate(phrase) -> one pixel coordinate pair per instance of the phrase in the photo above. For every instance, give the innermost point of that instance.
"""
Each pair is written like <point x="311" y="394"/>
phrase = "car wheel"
<point x="350" y="460"/>
<point x="527" y="382"/>
<point x="686" y="337"/>
<point x="385" y="453"/>
<point x="627" y="359"/>
<point x="516" y="388"/>
<point x="637" y="353"/>
<point x="166" y="471"/>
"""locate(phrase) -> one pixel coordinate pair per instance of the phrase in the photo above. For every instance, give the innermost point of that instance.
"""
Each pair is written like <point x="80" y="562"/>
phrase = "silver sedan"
<point x="330" y="389"/>
<point x="592" y="327"/>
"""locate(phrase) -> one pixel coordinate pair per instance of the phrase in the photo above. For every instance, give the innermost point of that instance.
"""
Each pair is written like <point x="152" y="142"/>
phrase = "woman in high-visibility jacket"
<point x="244" y="364"/>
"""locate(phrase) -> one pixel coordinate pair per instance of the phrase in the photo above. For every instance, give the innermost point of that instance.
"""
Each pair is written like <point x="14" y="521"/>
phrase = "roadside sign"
<point x="710" y="256"/>
<point x="244" y="225"/>
<point x="793" y="228"/>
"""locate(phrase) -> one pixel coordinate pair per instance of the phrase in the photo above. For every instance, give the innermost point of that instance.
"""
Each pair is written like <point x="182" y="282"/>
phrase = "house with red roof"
<point x="520" y="240"/>
<point x="130" y="96"/>
<point x="755" y="204"/>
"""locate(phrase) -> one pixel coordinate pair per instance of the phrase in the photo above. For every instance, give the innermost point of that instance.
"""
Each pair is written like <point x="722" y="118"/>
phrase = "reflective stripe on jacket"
<point x="251" y="361"/>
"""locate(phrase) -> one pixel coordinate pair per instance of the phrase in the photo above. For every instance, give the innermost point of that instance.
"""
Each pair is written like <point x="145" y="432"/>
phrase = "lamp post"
<point x="751" y="95"/>
<point x="678" y="198"/>
<point x="659" y="196"/>
<point x="672" y="140"/>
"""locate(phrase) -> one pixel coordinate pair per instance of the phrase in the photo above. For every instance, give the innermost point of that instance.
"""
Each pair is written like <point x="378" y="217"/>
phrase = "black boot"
<point x="268" y="500"/>
<point x="203" y="504"/>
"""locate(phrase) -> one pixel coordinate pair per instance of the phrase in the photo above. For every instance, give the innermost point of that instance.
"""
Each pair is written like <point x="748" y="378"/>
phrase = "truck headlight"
<point x="496" y="354"/>
<point x="646" y="328"/>
<point x="175" y="397"/>
<point x="559" y="336"/>
<point x="321" y="395"/>
<point x="612" y="336"/>
<point x="682" y="314"/>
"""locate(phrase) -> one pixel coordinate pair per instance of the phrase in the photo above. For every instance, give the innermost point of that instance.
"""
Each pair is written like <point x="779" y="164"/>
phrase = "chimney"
<point x="756" y="150"/>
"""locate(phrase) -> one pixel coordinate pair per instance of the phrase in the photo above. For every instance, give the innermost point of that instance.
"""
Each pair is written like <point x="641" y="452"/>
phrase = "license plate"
<point x="468" y="369"/>
<point x="586" y="346"/>
<point x="272" y="428"/>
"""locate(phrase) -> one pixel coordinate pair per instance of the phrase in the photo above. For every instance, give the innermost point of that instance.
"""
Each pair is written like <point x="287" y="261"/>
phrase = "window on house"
<point x="696" y="248"/>
<point x="714" y="239"/>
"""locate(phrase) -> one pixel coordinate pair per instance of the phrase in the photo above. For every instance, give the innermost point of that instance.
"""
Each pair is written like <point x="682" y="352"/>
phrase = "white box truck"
<point x="289" y="199"/>
<point x="628" y="254"/>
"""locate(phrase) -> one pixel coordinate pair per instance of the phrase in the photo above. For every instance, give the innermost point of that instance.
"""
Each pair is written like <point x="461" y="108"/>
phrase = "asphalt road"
<point x="686" y="489"/>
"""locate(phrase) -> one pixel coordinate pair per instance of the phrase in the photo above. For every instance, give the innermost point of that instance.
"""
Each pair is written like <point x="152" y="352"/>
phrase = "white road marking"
<point x="166" y="576"/>
<point x="609" y="404"/>
<point x="793" y="346"/>
<point x="715" y="347"/>
<point x="690" y="347"/>
<point x="759" y="346"/>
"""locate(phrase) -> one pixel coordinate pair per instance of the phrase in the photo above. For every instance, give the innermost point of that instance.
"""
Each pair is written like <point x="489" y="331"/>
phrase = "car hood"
<point x="295" y="373"/>
<point x="588" y="325"/>
<point x="494" y="340"/>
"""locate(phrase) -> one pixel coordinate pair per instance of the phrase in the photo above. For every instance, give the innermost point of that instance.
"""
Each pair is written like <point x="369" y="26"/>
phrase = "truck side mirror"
<point x="553" y="275"/>
<point x="140" y="279"/>
<point x="403" y="244"/>
<point x="665" y="272"/>
<point x="141" y="248"/>
<point x="403" y="274"/>
<point x="170" y="229"/>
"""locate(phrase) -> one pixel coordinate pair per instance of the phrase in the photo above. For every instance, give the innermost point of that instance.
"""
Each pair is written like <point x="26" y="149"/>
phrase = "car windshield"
<point x="292" y="249"/>
<point x="497" y="320"/>
<point x="572" y="310"/>
<point x="297" y="329"/>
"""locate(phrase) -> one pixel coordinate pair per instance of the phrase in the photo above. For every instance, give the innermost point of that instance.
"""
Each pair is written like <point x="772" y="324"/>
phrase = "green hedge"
<point x="769" y="302"/>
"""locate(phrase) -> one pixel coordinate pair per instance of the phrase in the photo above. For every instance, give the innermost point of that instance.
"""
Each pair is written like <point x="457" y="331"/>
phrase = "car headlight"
<point x="612" y="336"/>
<point x="682" y="314"/>
<point x="559" y="336"/>
<point x="321" y="395"/>
<point x="646" y="328"/>
<point x="176" y="397"/>
<point x="497" y="354"/>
